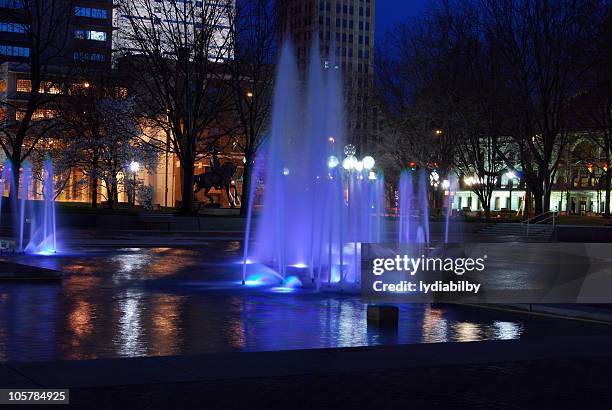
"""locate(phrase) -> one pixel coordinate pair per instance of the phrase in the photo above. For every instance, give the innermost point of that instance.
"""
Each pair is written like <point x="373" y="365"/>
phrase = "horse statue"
<point x="220" y="177"/>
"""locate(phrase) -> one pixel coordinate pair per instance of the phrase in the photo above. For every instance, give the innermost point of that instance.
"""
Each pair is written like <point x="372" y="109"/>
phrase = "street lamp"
<point x="368" y="162"/>
<point x="349" y="162"/>
<point x="510" y="175"/>
<point x="332" y="162"/>
<point x="134" y="167"/>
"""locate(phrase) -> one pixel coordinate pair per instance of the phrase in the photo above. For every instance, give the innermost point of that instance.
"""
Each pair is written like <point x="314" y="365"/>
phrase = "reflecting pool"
<point x="167" y="301"/>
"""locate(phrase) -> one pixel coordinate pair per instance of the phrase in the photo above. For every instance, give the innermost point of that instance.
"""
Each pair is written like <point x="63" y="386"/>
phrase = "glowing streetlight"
<point x="510" y="175"/>
<point x="438" y="132"/>
<point x="446" y="184"/>
<point x="332" y="162"/>
<point x="86" y="84"/>
<point x="285" y="171"/>
<point x="349" y="162"/>
<point x="358" y="166"/>
<point x="372" y="176"/>
<point x="368" y="162"/>
<point x="249" y="94"/>
<point x="134" y="167"/>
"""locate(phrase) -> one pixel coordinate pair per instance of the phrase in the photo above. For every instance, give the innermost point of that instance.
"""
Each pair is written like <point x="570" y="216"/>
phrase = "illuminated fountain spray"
<point x="34" y="221"/>
<point x="316" y="209"/>
<point x="413" y="203"/>
<point x="43" y="238"/>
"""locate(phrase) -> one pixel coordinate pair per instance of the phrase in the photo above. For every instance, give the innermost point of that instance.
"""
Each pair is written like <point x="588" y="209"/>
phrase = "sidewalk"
<point x="209" y="367"/>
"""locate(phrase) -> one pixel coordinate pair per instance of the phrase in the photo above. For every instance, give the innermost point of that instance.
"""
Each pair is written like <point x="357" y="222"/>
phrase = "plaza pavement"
<point x="539" y="372"/>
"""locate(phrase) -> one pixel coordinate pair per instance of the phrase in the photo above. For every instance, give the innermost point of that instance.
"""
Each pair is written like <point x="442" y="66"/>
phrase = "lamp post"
<point x="134" y="167"/>
<point x="510" y="175"/>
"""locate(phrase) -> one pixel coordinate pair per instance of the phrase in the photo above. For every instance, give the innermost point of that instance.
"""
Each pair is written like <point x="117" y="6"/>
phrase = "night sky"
<point x="390" y="12"/>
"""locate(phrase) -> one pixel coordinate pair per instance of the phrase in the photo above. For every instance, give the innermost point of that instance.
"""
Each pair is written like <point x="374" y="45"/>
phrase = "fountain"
<point x="413" y="206"/>
<point x="34" y="221"/>
<point x="316" y="210"/>
<point x="43" y="239"/>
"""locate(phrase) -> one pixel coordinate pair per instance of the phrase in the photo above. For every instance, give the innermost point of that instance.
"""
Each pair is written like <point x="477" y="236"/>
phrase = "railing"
<point x="541" y="218"/>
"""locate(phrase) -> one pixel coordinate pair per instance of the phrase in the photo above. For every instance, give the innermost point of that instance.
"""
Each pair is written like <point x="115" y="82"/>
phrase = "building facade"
<point x="344" y="30"/>
<point x="73" y="31"/>
<point x="175" y="24"/>
<point x="578" y="187"/>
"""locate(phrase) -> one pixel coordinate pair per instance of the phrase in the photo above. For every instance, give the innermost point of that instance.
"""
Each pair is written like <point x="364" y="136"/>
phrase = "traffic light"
<point x="412" y="166"/>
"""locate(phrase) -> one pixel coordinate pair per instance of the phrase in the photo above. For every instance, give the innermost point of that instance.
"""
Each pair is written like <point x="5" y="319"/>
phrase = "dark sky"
<point x="389" y="12"/>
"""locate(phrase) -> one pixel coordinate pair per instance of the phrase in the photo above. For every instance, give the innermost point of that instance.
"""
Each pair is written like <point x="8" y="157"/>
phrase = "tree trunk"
<point x="94" y="183"/>
<point x="607" y="180"/>
<point x="245" y="197"/>
<point x="111" y="194"/>
<point x="15" y="176"/>
<point x="187" y="188"/>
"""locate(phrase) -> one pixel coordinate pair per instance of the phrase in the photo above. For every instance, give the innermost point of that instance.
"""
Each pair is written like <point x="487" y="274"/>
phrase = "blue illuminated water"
<point x="165" y="301"/>
<point x="32" y="214"/>
<point x="314" y="213"/>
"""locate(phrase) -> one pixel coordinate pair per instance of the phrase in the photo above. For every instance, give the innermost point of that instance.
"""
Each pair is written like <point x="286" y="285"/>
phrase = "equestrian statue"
<point x="219" y="176"/>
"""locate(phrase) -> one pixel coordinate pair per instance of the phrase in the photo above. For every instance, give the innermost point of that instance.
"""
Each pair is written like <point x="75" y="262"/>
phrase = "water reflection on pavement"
<point x="159" y="301"/>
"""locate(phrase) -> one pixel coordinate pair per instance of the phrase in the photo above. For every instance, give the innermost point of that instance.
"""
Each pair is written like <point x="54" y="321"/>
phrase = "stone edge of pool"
<point x="227" y="366"/>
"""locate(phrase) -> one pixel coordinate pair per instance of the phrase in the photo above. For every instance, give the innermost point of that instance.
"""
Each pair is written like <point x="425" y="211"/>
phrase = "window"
<point x="2" y="86"/>
<point x="90" y="35"/>
<point x="11" y="4"/>
<point x="83" y="56"/>
<point x="48" y="87"/>
<point x="90" y="12"/>
<point x="14" y="51"/>
<point x="24" y="85"/>
<point x="37" y="115"/>
<point x="12" y="27"/>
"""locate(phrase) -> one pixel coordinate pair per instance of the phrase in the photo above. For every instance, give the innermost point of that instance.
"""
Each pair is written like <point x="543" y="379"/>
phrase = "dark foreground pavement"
<point x="538" y="384"/>
<point x="561" y="372"/>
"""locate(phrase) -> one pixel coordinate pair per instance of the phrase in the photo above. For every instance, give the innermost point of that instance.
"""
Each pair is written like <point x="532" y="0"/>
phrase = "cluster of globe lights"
<point x="350" y="162"/>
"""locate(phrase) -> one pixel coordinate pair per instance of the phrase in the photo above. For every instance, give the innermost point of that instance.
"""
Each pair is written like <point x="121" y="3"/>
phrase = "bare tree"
<point x="592" y="108"/>
<point x="82" y="126"/>
<point x="548" y="46"/>
<point x="253" y="37"/>
<point x="174" y="53"/>
<point x="46" y="26"/>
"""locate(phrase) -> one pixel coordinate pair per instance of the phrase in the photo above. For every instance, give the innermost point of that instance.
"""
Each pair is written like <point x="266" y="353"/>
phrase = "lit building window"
<point x="14" y="51"/>
<point x="12" y="27"/>
<point x="83" y="56"/>
<point x="41" y="114"/>
<point x="90" y="35"/>
<point x="11" y="4"/>
<point x="90" y="12"/>
<point x="24" y="85"/>
<point x="48" y="87"/>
